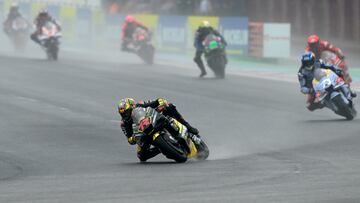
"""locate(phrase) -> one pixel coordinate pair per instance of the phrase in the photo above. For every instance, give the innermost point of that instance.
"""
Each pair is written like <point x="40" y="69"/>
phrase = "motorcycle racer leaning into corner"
<point x="317" y="46"/>
<point x="203" y="30"/>
<point x="125" y="107"/>
<point x="42" y="18"/>
<point x="128" y="30"/>
<point x="306" y="74"/>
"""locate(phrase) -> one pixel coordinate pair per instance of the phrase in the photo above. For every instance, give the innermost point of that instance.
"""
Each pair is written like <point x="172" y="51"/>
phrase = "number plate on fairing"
<point x="213" y="45"/>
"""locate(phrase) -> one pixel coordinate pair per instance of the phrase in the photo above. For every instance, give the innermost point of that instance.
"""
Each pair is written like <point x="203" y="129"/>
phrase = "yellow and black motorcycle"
<point x="152" y="127"/>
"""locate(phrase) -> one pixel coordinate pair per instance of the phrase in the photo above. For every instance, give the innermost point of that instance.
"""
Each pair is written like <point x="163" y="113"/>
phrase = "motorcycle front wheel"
<point x="170" y="148"/>
<point x="217" y="63"/>
<point x="146" y="53"/>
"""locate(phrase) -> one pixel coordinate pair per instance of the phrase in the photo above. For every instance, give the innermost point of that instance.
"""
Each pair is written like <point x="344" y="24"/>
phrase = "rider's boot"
<point x="175" y="134"/>
<point x="201" y="65"/>
<point x="352" y="93"/>
<point x="191" y="129"/>
<point x="349" y="91"/>
<point x="173" y="112"/>
<point x="314" y="106"/>
<point x="195" y="138"/>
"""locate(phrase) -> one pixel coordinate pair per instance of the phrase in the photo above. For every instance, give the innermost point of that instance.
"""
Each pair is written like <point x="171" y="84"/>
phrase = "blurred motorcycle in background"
<point x="49" y="40"/>
<point x="18" y="30"/>
<point x="215" y="55"/>
<point x="142" y="45"/>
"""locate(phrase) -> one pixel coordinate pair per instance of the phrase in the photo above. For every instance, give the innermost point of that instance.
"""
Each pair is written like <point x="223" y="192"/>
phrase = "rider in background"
<point x="306" y="75"/>
<point x="203" y="30"/>
<point x="42" y="18"/>
<point x="128" y="30"/>
<point x="12" y="15"/>
<point x="317" y="46"/>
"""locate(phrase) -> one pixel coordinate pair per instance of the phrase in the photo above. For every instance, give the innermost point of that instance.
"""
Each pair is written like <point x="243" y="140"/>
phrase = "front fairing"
<point x="212" y="43"/>
<point x="49" y="31"/>
<point x="155" y="120"/>
<point x="323" y="79"/>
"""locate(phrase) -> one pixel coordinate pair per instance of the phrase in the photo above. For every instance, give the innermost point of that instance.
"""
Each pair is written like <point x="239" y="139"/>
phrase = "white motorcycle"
<point x="331" y="91"/>
<point x="49" y="40"/>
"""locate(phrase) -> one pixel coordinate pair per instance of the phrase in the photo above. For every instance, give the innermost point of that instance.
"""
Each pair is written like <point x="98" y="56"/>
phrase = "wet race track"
<point x="60" y="139"/>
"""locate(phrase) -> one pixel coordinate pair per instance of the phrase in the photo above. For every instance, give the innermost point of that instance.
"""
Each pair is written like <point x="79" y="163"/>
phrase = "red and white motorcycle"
<point x="331" y="58"/>
<point x="49" y="40"/>
<point x="142" y="45"/>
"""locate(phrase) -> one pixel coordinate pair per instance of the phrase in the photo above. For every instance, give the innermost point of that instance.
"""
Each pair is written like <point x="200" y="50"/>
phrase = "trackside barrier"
<point x="269" y="40"/>
<point x="256" y="39"/>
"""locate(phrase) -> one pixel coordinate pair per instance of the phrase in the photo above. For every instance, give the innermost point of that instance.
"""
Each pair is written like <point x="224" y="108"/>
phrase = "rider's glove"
<point x="339" y="72"/>
<point x="131" y="140"/>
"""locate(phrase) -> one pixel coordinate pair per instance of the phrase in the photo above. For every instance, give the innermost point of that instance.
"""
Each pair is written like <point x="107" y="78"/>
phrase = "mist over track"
<point x="60" y="140"/>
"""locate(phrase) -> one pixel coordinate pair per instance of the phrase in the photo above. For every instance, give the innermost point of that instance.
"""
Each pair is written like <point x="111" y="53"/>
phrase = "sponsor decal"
<point x="172" y="33"/>
<point x="236" y="34"/>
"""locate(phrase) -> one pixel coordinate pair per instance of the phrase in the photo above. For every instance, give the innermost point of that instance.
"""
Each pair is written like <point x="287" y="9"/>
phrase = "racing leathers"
<point x="200" y="36"/>
<point x="39" y="22"/>
<point x="144" y="152"/>
<point x="167" y="109"/>
<point x="306" y="76"/>
<point x="323" y="45"/>
<point x="128" y="30"/>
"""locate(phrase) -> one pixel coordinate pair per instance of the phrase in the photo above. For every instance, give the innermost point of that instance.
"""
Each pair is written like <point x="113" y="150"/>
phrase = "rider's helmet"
<point x="125" y="107"/>
<point x="14" y="7"/>
<point x="308" y="60"/>
<point x="313" y="42"/>
<point x="43" y="13"/>
<point x="129" y="19"/>
<point x="205" y="24"/>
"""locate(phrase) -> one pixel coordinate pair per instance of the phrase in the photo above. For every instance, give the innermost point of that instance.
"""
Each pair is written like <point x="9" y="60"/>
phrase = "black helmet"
<point x="14" y="7"/>
<point x="43" y="12"/>
<point x="308" y="60"/>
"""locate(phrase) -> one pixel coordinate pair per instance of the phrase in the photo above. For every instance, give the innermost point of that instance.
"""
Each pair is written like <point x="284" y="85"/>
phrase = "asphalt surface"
<point x="60" y="140"/>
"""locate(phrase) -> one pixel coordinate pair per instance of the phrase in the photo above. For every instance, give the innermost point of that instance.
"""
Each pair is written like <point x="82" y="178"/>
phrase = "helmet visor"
<point x="308" y="67"/>
<point x="314" y="46"/>
<point x="126" y="114"/>
<point x="121" y="109"/>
